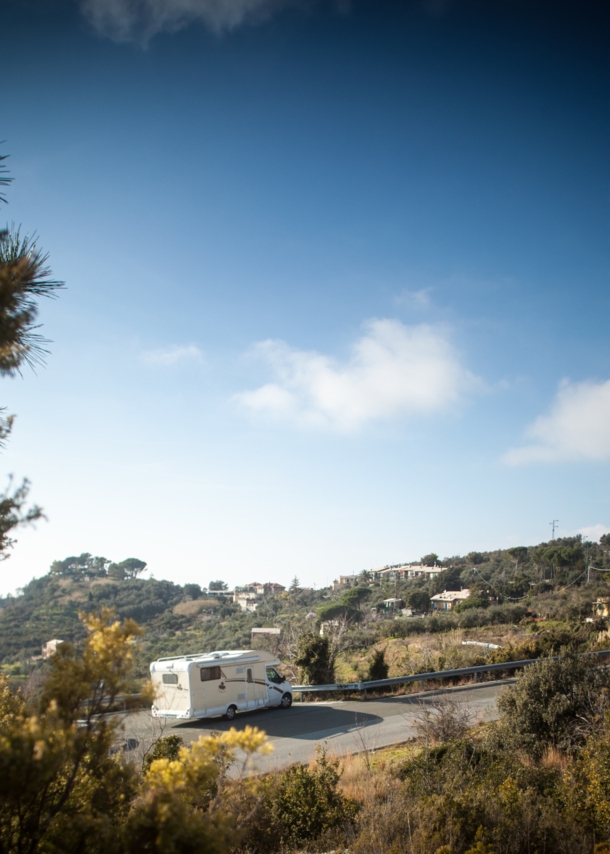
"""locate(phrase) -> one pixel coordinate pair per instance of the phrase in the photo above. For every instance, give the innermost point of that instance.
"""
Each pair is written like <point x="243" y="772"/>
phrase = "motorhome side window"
<point x="208" y="674"/>
<point x="170" y="678"/>
<point x="274" y="676"/>
<point x="249" y="675"/>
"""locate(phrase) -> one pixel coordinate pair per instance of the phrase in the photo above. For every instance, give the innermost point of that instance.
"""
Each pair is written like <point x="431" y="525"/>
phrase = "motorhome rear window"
<point x="170" y="678"/>
<point x="210" y="673"/>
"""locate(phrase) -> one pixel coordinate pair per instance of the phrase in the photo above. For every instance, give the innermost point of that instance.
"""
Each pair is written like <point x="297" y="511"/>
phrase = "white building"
<point x="50" y="647"/>
<point x="407" y="570"/>
<point x="448" y="599"/>
<point x="251" y="595"/>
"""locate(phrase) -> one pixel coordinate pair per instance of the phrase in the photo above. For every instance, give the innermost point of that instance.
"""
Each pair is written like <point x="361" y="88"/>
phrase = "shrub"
<point x="378" y="668"/>
<point x="555" y="703"/>
<point x="472" y="602"/>
<point x="167" y="747"/>
<point x="314" y="659"/>
<point x="442" y="720"/>
<point x="299" y="805"/>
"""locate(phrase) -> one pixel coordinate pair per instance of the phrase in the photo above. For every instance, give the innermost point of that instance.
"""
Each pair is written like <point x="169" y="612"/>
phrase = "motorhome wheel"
<point x="286" y="701"/>
<point x="230" y="713"/>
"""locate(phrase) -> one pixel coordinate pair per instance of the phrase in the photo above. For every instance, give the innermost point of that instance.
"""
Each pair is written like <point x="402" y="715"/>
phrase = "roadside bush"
<point x="314" y="659"/>
<point x="442" y="720"/>
<point x="299" y="805"/>
<point x="555" y="704"/>
<point x="378" y="667"/>
<point x="467" y="797"/>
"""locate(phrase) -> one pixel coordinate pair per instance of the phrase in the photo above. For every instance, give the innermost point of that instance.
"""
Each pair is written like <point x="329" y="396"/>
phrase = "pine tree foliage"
<point x="24" y="276"/>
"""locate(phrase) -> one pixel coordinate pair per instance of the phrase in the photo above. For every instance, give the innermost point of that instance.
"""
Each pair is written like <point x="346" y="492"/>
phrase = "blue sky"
<point x="337" y="280"/>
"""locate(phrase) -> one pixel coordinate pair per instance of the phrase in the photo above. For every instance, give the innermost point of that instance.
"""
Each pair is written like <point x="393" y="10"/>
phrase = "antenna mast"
<point x="553" y="525"/>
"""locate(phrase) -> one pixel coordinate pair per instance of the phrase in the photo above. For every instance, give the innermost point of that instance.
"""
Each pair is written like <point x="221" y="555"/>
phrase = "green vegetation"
<point x="537" y="780"/>
<point x="62" y="789"/>
<point x="314" y="660"/>
<point x="378" y="668"/>
<point x="546" y="617"/>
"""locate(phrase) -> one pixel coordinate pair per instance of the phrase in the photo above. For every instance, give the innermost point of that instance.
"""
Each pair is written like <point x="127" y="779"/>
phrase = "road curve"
<point x="342" y="727"/>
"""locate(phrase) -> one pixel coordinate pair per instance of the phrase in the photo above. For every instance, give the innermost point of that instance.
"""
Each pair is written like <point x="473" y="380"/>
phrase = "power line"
<point x="511" y="598"/>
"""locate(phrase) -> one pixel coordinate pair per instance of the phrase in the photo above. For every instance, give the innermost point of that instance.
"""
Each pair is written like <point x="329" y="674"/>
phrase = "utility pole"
<point x="553" y="525"/>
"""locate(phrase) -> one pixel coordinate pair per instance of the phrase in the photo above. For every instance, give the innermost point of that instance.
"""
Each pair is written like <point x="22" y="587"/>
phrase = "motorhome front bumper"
<point x="169" y="713"/>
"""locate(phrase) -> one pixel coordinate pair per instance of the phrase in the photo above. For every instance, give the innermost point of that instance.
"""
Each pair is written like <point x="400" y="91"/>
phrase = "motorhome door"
<point x="255" y="691"/>
<point x="274" y="690"/>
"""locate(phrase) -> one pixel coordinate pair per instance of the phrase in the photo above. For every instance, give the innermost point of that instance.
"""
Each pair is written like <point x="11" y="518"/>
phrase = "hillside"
<point x="527" y="600"/>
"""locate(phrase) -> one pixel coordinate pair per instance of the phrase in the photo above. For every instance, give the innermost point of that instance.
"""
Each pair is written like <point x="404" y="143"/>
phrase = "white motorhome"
<point x="217" y="683"/>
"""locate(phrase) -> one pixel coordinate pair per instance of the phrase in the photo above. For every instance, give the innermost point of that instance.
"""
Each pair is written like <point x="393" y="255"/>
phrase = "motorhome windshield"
<point x="274" y="676"/>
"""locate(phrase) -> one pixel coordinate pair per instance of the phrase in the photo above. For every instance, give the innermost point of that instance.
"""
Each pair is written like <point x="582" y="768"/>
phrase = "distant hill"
<point x="179" y="619"/>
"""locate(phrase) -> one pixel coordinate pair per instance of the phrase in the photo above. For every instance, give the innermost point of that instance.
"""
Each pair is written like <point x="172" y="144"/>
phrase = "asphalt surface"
<point x="342" y="727"/>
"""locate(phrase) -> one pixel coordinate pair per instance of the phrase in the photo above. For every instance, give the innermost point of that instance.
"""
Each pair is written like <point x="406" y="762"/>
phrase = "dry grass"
<point x="194" y="607"/>
<point x="429" y="652"/>
<point x="365" y="782"/>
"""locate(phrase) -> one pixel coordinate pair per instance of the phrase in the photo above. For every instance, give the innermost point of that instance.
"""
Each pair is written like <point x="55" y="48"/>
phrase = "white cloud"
<point x="173" y="355"/>
<point x="593" y="532"/>
<point x="576" y="428"/>
<point x="394" y="371"/>
<point x="140" y="20"/>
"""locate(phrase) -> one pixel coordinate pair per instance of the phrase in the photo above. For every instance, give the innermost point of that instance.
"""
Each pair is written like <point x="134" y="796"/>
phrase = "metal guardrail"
<point x="425" y="677"/>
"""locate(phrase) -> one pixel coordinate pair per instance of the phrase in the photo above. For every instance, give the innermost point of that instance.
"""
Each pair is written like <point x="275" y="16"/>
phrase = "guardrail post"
<point x="475" y="677"/>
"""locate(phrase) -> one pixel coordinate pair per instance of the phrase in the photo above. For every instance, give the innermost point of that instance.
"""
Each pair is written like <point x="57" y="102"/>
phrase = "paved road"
<point x="343" y="727"/>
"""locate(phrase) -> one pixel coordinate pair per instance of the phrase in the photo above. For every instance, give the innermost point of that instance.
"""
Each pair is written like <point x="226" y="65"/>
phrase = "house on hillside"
<point x="393" y="604"/>
<point x="265" y="632"/>
<point x="251" y="595"/>
<point x="388" y="573"/>
<point x="448" y="599"/>
<point x="50" y="647"/>
<point x="601" y="607"/>
<point x="407" y="570"/>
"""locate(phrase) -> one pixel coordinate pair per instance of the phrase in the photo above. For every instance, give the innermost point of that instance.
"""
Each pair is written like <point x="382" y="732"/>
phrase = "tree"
<point x="192" y="590"/>
<point x="294" y="585"/>
<point x="133" y="567"/>
<point x="378" y="667"/>
<point x="77" y="566"/>
<point x="24" y="277"/>
<point x="448" y="579"/>
<point x="314" y="658"/>
<point x="429" y="560"/>
<point x="338" y="611"/>
<point x="518" y="554"/>
<point x="14" y="514"/>
<point x="419" y="601"/>
<point x="116" y="572"/>
<point x="218" y="585"/>
<point x="355" y="596"/>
